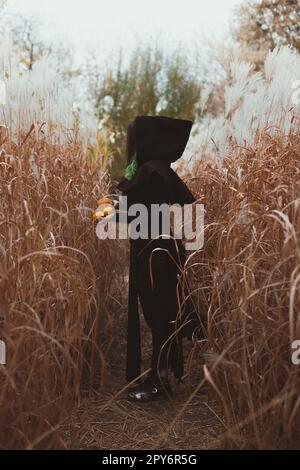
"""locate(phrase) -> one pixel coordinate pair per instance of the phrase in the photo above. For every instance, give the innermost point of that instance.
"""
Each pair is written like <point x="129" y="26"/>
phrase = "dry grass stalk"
<point x="248" y="278"/>
<point x="55" y="278"/>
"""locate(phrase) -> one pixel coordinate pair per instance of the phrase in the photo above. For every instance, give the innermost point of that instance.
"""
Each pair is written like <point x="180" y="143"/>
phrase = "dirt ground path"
<point x="106" y="420"/>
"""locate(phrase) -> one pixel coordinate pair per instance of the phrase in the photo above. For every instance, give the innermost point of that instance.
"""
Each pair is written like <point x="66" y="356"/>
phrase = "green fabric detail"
<point x="131" y="169"/>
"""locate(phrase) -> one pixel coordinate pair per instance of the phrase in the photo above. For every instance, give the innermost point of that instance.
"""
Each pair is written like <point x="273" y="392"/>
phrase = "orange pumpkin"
<point x="100" y="214"/>
<point x="105" y="200"/>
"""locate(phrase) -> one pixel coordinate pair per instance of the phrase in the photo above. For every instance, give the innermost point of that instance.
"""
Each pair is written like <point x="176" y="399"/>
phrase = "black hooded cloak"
<point x="156" y="263"/>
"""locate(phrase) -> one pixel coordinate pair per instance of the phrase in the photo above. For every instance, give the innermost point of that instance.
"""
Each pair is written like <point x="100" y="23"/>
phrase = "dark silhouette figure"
<point x="153" y="143"/>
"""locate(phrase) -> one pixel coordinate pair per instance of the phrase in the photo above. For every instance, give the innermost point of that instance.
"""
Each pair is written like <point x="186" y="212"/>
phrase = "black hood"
<point x="178" y="192"/>
<point x="158" y="138"/>
<point x="158" y="141"/>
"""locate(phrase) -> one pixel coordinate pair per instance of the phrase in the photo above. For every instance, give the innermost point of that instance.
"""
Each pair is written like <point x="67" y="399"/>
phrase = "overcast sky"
<point x="108" y="24"/>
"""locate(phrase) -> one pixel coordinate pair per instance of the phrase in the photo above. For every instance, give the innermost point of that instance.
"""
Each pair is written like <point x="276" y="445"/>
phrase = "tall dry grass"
<point x="55" y="279"/>
<point x="248" y="277"/>
<point x="248" y="273"/>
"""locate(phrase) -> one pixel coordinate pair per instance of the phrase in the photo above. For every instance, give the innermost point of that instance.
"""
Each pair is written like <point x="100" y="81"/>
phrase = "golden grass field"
<point x="56" y="279"/>
<point x="61" y="289"/>
<point x="248" y="277"/>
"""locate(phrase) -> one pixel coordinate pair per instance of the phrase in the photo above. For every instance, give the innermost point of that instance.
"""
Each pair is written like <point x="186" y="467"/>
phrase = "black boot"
<point x="150" y="389"/>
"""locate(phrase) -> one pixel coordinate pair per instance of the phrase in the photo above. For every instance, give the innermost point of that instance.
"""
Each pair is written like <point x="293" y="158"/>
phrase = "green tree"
<point x="151" y="82"/>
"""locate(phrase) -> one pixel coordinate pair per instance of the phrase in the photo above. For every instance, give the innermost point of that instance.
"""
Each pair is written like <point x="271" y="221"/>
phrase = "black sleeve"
<point x="155" y="191"/>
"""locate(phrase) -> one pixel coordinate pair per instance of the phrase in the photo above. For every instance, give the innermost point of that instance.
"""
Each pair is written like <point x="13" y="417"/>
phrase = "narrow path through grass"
<point x="108" y="421"/>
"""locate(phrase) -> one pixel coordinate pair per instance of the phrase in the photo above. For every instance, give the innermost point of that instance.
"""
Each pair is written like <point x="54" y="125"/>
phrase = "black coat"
<point x="155" y="265"/>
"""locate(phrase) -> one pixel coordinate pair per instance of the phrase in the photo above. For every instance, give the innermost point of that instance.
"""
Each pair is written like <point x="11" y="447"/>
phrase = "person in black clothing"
<point x="153" y="143"/>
